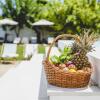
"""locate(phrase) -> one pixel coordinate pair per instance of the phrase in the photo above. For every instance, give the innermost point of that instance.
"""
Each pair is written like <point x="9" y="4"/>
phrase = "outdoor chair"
<point x="96" y="44"/>
<point x="17" y="40"/>
<point x="9" y="51"/>
<point x="54" y="51"/>
<point x="50" y="40"/>
<point x="29" y="50"/>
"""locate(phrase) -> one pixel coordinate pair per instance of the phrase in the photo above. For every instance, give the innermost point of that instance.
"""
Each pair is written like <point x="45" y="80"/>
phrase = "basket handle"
<point x="59" y="37"/>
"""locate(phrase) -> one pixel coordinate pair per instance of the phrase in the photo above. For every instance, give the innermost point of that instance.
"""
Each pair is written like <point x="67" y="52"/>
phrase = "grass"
<point x="20" y="52"/>
<point x="41" y="48"/>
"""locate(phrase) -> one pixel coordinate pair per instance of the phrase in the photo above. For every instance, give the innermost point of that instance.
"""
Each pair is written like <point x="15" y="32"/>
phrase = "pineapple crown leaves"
<point x="87" y="38"/>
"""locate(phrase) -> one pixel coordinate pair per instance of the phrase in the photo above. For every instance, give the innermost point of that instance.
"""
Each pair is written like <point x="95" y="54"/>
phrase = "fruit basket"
<point x="73" y="72"/>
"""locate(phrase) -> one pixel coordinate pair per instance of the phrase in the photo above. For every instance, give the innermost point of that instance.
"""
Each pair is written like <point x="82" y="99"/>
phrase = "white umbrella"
<point x="7" y="21"/>
<point x="42" y="22"/>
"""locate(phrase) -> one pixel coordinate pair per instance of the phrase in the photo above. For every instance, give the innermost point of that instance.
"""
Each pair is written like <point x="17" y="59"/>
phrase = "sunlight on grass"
<point x="20" y="52"/>
<point x="41" y="48"/>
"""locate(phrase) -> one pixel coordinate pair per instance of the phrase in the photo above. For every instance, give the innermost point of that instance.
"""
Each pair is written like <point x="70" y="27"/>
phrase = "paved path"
<point x="6" y="67"/>
<point x="22" y="83"/>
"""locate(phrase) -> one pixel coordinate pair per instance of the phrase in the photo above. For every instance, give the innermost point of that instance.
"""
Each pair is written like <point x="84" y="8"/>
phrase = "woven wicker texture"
<point x="59" y="77"/>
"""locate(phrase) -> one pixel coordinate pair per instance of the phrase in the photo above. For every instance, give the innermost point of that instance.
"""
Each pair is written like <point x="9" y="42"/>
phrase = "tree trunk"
<point x="17" y="32"/>
<point x="5" y="37"/>
<point x="38" y="33"/>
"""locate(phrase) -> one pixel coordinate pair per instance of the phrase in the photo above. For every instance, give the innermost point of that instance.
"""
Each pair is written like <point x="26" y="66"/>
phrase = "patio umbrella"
<point x="39" y="23"/>
<point x="43" y="22"/>
<point x="7" y="22"/>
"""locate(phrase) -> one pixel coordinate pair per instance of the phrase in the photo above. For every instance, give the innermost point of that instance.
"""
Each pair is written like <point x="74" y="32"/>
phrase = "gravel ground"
<point x="5" y="67"/>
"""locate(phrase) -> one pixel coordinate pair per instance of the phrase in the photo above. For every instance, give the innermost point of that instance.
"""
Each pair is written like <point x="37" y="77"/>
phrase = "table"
<point x="89" y="93"/>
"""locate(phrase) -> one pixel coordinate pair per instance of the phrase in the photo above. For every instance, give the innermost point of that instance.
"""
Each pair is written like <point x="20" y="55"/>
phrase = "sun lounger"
<point x="17" y="40"/>
<point x="50" y="40"/>
<point x="9" y="50"/>
<point x="29" y="50"/>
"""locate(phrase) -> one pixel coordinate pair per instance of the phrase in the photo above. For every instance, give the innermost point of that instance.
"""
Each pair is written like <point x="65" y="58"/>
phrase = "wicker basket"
<point x="58" y="77"/>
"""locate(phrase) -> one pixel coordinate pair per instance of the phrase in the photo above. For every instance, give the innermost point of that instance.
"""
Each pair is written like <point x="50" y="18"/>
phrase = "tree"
<point x="22" y="11"/>
<point x="25" y="12"/>
<point x="73" y="15"/>
<point x="70" y="16"/>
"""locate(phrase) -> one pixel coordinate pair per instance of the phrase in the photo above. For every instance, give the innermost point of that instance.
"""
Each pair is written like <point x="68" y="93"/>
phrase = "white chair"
<point x="96" y="44"/>
<point x="54" y="51"/>
<point x="29" y="50"/>
<point x="25" y="40"/>
<point x="17" y="40"/>
<point x="9" y="50"/>
<point x="64" y="43"/>
<point x="50" y="40"/>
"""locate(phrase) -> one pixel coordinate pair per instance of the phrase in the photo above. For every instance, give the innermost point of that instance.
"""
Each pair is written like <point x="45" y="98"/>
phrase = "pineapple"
<point x="80" y="49"/>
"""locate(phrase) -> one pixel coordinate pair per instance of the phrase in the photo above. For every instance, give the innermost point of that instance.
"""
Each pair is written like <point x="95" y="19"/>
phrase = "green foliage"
<point x="55" y="59"/>
<point x="74" y="15"/>
<point x="70" y="16"/>
<point x="22" y="11"/>
<point x="25" y="12"/>
<point x="64" y="57"/>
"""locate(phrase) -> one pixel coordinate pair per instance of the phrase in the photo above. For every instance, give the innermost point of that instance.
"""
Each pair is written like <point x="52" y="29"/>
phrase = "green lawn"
<point x="41" y="48"/>
<point x="20" y="52"/>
